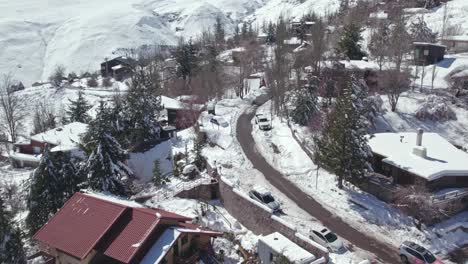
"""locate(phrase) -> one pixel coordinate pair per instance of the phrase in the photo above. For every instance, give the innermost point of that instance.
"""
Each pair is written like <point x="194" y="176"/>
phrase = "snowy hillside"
<point x="79" y="34"/>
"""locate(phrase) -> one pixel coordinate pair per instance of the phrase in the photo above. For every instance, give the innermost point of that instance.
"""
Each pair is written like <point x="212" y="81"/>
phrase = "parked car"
<point x="264" y="196"/>
<point x="262" y="121"/>
<point x="327" y="239"/>
<point x="413" y="253"/>
<point x="219" y="121"/>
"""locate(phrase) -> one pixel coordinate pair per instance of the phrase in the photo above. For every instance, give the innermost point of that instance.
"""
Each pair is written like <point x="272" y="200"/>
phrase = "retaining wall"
<point x="260" y="220"/>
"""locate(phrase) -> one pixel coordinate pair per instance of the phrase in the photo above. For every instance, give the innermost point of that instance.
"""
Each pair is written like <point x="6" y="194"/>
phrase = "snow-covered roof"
<point x="293" y="41"/>
<point x="171" y="103"/>
<point x="113" y="199"/>
<point x="443" y="159"/>
<point x="67" y="137"/>
<point x="354" y="64"/>
<point x="287" y="248"/>
<point x="461" y="38"/>
<point x="429" y="44"/>
<point x="379" y="15"/>
<point x="22" y="156"/>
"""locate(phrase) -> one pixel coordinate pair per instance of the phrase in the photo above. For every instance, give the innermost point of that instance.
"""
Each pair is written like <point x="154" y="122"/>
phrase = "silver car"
<point x="263" y="196"/>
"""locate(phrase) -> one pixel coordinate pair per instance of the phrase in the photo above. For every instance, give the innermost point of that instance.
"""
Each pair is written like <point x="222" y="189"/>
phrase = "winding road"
<point x="384" y="252"/>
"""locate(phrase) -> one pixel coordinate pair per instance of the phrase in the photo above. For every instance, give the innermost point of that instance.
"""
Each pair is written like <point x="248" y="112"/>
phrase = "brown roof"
<point x="85" y="220"/>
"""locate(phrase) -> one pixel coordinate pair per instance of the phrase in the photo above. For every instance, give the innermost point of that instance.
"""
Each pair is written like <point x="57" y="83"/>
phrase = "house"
<point x="275" y="245"/>
<point x="302" y="27"/>
<point x="428" y="53"/>
<point x="94" y="228"/>
<point x="416" y="159"/>
<point x="27" y="153"/>
<point x="118" y="68"/>
<point x="456" y="44"/>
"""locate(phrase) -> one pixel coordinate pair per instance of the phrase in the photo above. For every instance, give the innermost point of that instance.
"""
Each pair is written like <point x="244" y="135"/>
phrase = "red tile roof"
<point x="133" y="235"/>
<point x="79" y="225"/>
<point x="84" y="220"/>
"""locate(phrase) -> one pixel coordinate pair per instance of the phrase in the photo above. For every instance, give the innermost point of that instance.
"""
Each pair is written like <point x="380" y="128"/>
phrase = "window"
<point x="426" y="52"/>
<point x="415" y="254"/>
<point x="331" y="237"/>
<point x="184" y="240"/>
<point x="37" y="150"/>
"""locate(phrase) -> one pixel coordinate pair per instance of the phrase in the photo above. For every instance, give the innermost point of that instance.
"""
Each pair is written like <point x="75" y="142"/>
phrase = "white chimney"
<point x="419" y="150"/>
<point x="419" y="137"/>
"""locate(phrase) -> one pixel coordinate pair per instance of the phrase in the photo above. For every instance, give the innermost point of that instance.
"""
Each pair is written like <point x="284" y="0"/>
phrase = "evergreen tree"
<point x="186" y="58"/>
<point x="199" y="160"/>
<point x="343" y="148"/>
<point x="270" y="33"/>
<point x="11" y="246"/>
<point x="420" y="32"/>
<point x="45" y="191"/>
<point x="244" y="30"/>
<point x="142" y="107"/>
<point x="158" y="178"/>
<point x="349" y="44"/>
<point x="219" y="32"/>
<point x="306" y="103"/>
<point x="236" y="35"/>
<point x="104" y="169"/>
<point x="77" y="112"/>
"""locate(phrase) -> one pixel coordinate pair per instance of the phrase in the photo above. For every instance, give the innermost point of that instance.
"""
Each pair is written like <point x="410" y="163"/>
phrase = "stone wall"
<point x="203" y="192"/>
<point x="260" y="220"/>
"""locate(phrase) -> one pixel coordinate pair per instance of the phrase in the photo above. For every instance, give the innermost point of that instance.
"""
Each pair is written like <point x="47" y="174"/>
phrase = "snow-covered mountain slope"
<point x="457" y="13"/>
<point x="36" y="36"/>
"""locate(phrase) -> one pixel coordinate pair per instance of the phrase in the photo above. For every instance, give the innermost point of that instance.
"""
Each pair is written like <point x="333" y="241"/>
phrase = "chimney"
<point x="419" y="137"/>
<point x="419" y="150"/>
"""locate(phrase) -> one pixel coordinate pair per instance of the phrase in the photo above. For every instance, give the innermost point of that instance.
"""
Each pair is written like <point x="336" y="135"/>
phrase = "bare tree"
<point x="13" y="113"/>
<point x="416" y="201"/>
<point x="57" y="76"/>
<point x="393" y="83"/>
<point x="423" y="75"/>
<point x="44" y="118"/>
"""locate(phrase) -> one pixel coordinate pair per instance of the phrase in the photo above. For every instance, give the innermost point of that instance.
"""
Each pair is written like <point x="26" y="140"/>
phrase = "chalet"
<point x="118" y="68"/>
<point x="428" y="53"/>
<point x="93" y="228"/>
<point x="411" y="160"/>
<point x="456" y="44"/>
<point x="302" y="27"/>
<point x="27" y="153"/>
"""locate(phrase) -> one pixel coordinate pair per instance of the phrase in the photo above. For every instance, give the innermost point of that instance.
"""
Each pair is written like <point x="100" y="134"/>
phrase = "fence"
<point x="449" y="196"/>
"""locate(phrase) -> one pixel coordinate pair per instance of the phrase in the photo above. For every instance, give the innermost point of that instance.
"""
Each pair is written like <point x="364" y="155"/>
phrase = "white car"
<point x="262" y="121"/>
<point x="264" y="196"/>
<point x="327" y="239"/>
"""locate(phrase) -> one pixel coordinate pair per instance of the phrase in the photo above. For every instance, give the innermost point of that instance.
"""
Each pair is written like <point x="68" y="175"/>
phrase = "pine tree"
<point x="186" y="58"/>
<point x="343" y="148"/>
<point x="104" y="168"/>
<point x="77" y="112"/>
<point x="219" y="32"/>
<point x="199" y="160"/>
<point x="11" y="246"/>
<point x="142" y="107"/>
<point x="270" y="33"/>
<point x="236" y="35"/>
<point x="158" y="178"/>
<point x="306" y="103"/>
<point x="46" y="195"/>
<point x="244" y="30"/>
<point x="349" y="44"/>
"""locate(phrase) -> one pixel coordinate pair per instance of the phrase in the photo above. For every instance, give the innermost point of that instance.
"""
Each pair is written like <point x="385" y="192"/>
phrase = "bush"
<point x="106" y="82"/>
<point x="57" y="76"/>
<point x="92" y="81"/>
<point x="435" y="109"/>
